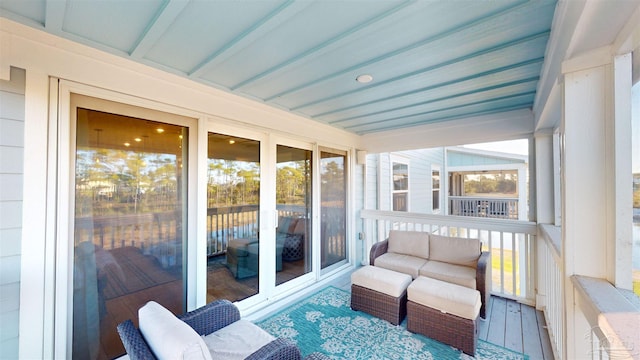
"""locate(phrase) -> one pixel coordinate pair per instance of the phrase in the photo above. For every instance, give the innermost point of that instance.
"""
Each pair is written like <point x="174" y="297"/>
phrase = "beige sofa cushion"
<point x="454" y="250"/>
<point x="405" y="264"/>
<point x="414" y="243"/>
<point x="381" y="280"/>
<point x="446" y="297"/>
<point x="455" y="274"/>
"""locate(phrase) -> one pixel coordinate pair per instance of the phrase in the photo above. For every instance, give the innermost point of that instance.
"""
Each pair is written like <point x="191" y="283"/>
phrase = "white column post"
<point x="621" y="177"/>
<point x="544" y="198"/>
<point x="544" y="177"/>
<point x="586" y="112"/>
<point x="36" y="320"/>
<point x="596" y="121"/>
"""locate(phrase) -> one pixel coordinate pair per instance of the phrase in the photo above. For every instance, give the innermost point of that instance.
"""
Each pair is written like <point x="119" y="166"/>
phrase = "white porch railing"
<point x="499" y="208"/>
<point x="550" y="286"/>
<point x="511" y="244"/>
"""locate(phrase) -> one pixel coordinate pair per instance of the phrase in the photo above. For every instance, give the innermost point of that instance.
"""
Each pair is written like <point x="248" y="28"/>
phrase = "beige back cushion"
<point x="454" y="250"/>
<point x="415" y="243"/>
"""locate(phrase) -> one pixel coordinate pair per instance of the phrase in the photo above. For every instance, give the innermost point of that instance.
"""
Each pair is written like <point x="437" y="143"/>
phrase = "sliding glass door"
<point x="129" y="218"/>
<point x="333" y="202"/>
<point x="132" y="224"/>
<point x="233" y="208"/>
<point x="293" y="204"/>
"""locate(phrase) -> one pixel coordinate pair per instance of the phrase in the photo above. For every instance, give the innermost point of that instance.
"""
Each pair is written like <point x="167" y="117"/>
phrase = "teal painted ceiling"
<point x="431" y="61"/>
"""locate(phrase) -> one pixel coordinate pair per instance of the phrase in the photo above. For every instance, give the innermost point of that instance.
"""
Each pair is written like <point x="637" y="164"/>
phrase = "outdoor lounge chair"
<point x="215" y="324"/>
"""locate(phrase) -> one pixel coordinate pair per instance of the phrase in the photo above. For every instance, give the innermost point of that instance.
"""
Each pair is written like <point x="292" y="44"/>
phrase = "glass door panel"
<point x="333" y="213"/>
<point x="129" y="238"/>
<point x="293" y="203"/>
<point x="233" y="204"/>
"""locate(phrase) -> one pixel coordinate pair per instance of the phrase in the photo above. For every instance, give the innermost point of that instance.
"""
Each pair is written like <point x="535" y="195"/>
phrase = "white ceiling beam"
<point x="5" y="63"/>
<point x="511" y="125"/>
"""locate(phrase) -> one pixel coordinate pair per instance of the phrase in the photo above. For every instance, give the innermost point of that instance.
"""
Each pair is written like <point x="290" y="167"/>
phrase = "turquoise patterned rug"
<point x="324" y="322"/>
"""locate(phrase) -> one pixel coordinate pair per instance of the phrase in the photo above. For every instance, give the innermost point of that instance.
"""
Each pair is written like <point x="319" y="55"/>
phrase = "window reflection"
<point x="333" y="212"/>
<point x="233" y="204"/>
<point x="128" y="225"/>
<point x="293" y="202"/>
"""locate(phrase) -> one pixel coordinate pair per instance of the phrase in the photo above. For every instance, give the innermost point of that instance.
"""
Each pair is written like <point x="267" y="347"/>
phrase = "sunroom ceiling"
<point x="431" y="61"/>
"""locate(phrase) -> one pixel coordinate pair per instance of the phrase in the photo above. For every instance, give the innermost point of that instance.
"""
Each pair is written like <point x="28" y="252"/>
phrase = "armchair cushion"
<point x="169" y="337"/>
<point x="414" y="243"/>
<point x="237" y="341"/>
<point x="454" y="250"/>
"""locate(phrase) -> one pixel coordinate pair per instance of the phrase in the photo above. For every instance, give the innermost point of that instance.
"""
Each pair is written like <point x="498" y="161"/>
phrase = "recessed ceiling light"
<point x="137" y="139"/>
<point x="160" y="130"/>
<point x="232" y="142"/>
<point x="127" y="144"/>
<point x="364" y="78"/>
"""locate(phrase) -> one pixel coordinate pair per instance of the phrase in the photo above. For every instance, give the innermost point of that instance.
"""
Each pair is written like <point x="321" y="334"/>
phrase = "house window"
<point x="400" y="186"/>
<point x="435" y="188"/>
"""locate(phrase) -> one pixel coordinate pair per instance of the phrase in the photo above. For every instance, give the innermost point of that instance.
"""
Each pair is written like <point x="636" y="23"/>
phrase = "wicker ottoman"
<point x="380" y="292"/>
<point x="445" y="312"/>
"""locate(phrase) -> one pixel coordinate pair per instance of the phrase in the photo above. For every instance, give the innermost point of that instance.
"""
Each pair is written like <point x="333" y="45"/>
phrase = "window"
<point x="435" y="188"/>
<point x="400" y="186"/>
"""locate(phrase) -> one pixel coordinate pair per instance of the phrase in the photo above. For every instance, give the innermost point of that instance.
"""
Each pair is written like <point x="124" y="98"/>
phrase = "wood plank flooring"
<point x="509" y="324"/>
<point x="517" y="327"/>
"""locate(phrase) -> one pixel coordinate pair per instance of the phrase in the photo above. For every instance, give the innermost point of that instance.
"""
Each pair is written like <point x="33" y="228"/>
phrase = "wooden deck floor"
<point x="509" y="324"/>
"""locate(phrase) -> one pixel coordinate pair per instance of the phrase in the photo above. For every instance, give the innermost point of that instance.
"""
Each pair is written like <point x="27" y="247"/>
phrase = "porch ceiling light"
<point x="364" y="78"/>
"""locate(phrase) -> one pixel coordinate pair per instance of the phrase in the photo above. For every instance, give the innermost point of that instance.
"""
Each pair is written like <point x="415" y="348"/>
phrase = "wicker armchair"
<point x="206" y="320"/>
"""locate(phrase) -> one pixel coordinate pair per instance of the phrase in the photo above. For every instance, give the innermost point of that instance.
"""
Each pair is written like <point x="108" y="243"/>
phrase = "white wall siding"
<point x="420" y="186"/>
<point x="385" y="186"/>
<point x="11" y="165"/>
<point x="372" y="182"/>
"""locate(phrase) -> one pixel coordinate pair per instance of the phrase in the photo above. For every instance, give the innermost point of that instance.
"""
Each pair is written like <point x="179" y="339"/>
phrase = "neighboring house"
<point x="405" y="180"/>
<point x="432" y="181"/>
<point x="506" y="175"/>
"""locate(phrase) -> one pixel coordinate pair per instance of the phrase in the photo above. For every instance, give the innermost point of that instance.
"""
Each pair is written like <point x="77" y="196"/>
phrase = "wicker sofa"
<point x="212" y="331"/>
<point x="452" y="259"/>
